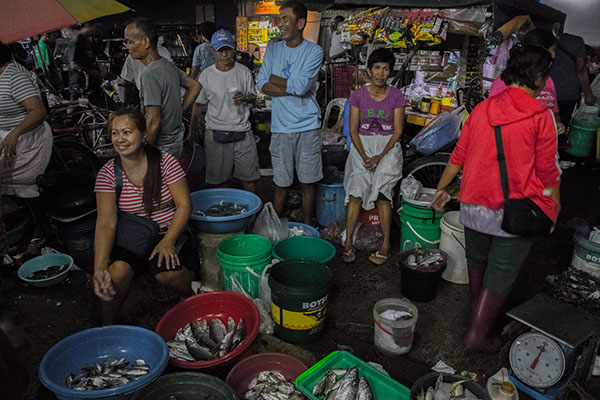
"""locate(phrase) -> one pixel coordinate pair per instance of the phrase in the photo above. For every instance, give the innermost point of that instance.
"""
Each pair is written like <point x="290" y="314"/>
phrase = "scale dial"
<point x="537" y="360"/>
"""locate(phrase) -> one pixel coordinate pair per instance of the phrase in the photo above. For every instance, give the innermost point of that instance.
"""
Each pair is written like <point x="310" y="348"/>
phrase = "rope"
<point x="419" y="236"/>
<point x="391" y="334"/>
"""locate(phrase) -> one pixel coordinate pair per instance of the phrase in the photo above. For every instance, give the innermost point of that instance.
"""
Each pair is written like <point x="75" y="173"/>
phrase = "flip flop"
<point x="349" y="256"/>
<point x="378" y="259"/>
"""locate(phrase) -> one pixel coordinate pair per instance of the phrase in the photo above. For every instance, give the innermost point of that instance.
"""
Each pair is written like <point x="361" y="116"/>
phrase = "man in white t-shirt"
<point x="337" y="52"/>
<point x="228" y="89"/>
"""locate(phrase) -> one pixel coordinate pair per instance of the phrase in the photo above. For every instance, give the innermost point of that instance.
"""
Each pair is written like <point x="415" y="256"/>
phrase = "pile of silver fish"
<point x="111" y="373"/>
<point x="343" y="384"/>
<point x="272" y="385"/>
<point x="204" y="340"/>
<point x="447" y="391"/>
<point x="223" y="209"/>
<point x="424" y="259"/>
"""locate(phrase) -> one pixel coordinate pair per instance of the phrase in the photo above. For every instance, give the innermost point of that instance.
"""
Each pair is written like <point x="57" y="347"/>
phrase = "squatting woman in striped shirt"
<point x="154" y="187"/>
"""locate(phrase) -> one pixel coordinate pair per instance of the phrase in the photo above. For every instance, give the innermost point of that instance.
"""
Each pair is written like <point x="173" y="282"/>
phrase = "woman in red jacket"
<point x="529" y="136"/>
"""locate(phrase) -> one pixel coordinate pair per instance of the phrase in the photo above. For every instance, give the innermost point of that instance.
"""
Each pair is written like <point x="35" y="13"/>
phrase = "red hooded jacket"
<point x="529" y="138"/>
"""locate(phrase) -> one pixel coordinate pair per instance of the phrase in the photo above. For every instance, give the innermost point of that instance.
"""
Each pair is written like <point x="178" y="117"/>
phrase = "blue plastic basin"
<point x="43" y="262"/>
<point x="204" y="199"/>
<point x="307" y="228"/>
<point x="95" y="346"/>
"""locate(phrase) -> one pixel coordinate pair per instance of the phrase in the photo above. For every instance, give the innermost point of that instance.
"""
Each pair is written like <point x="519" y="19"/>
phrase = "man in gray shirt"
<point x="160" y="85"/>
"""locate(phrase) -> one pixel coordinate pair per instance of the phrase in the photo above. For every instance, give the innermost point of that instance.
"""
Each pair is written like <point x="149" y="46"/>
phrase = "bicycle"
<point x="89" y="124"/>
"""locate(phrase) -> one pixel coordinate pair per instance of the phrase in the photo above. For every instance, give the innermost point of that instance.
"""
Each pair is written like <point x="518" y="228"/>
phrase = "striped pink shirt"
<point x="132" y="195"/>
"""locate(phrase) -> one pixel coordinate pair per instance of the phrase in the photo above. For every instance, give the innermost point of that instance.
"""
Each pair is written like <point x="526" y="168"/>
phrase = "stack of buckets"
<point x="242" y="259"/>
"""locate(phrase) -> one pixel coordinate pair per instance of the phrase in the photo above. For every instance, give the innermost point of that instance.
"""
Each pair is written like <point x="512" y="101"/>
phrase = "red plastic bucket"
<point x="240" y="376"/>
<point x="207" y="306"/>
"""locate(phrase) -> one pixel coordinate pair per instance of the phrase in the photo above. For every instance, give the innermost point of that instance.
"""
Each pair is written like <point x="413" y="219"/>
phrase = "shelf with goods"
<point x="434" y="48"/>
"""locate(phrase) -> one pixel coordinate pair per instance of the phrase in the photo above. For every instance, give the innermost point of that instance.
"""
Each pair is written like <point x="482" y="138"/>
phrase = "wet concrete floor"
<point x="39" y="318"/>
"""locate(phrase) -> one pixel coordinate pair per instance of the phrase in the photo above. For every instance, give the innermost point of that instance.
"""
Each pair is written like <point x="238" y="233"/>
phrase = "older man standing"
<point x="159" y="88"/>
<point x="289" y="74"/>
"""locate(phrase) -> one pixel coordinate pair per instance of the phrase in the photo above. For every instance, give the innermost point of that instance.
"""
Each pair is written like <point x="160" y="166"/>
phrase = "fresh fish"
<point x="48" y="272"/>
<point x="230" y="324"/>
<point x="223" y="209"/>
<point x="110" y="373"/>
<point x="271" y="385"/>
<point x="202" y="335"/>
<point x="203" y="340"/>
<point x="217" y="329"/>
<point x="197" y="351"/>
<point x="178" y="350"/>
<point x="364" y="390"/>
<point x="225" y="346"/>
<point x="239" y="333"/>
<point x="349" y="386"/>
<point x="325" y="383"/>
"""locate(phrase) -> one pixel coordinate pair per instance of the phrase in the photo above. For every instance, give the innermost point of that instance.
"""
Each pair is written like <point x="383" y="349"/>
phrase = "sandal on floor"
<point x="349" y="256"/>
<point x="378" y="259"/>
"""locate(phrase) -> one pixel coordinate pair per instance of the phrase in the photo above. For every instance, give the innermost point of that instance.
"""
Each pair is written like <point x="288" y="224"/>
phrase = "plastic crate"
<point x="383" y="387"/>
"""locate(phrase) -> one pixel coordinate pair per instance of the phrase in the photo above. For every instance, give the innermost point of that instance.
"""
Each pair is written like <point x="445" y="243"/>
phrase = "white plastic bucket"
<point x="210" y="272"/>
<point x="394" y="337"/>
<point x="452" y="241"/>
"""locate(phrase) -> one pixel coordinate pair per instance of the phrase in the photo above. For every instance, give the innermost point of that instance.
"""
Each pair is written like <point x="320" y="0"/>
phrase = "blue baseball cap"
<point x="222" y="38"/>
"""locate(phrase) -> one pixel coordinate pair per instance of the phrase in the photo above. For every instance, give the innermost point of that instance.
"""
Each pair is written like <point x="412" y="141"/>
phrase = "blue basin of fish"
<point x="96" y="345"/>
<point x="211" y="206"/>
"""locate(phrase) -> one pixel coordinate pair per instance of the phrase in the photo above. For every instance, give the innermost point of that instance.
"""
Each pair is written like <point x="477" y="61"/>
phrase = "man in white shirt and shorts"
<point x="228" y="89"/>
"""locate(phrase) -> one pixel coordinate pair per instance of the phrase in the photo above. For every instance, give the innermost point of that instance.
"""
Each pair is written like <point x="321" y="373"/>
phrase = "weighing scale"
<point x="545" y="360"/>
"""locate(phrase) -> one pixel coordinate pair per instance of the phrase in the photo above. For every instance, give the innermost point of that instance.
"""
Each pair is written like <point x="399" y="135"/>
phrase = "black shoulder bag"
<point x="136" y="234"/>
<point x="521" y="216"/>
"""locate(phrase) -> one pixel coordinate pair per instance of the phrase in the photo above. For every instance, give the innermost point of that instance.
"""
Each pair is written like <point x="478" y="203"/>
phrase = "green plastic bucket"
<point x="242" y="259"/>
<point x="420" y="224"/>
<point x="304" y="248"/>
<point x="299" y="292"/>
<point x="583" y="132"/>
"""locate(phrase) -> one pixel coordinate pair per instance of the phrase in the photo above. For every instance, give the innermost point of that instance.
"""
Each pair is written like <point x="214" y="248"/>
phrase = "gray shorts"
<point x="301" y="150"/>
<point x="226" y="160"/>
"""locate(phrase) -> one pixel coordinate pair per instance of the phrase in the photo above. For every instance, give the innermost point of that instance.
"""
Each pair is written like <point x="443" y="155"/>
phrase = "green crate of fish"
<point x="344" y="372"/>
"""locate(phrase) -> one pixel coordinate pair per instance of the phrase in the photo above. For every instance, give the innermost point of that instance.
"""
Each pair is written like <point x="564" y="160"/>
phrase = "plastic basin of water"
<point x="204" y="199"/>
<point x="42" y="262"/>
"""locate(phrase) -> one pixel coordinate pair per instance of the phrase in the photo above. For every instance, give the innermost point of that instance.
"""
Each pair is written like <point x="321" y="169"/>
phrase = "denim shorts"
<point x="300" y="151"/>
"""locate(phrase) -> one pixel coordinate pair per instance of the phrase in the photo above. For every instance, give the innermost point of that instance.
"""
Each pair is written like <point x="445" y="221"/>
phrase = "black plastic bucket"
<point x="420" y="285"/>
<point x="78" y="237"/>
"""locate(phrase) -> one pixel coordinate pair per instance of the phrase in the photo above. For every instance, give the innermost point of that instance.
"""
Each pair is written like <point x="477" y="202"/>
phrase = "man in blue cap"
<point x="228" y="89"/>
<point x="289" y="75"/>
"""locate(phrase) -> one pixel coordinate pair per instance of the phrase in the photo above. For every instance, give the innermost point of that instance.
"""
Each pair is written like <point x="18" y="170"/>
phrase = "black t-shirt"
<point x="82" y="52"/>
<point x="564" y="69"/>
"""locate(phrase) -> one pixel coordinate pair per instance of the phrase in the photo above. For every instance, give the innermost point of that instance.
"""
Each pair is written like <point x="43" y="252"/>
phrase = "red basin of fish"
<point x="207" y="306"/>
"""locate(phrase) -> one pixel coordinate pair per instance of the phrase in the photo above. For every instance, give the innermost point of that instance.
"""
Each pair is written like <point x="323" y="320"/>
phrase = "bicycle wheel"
<point x="93" y="126"/>
<point x="68" y="156"/>
<point x="428" y="170"/>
